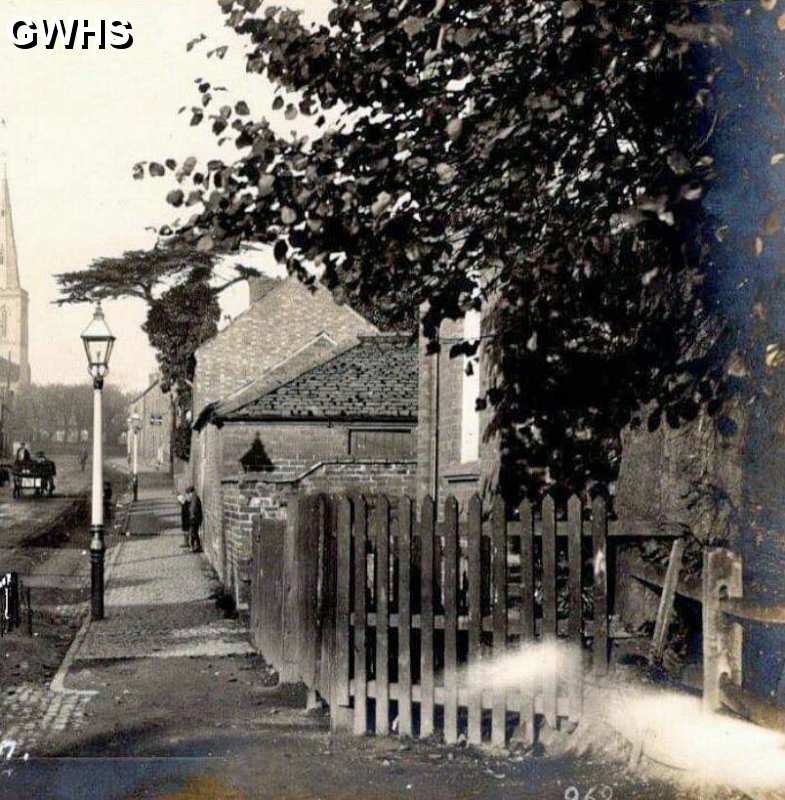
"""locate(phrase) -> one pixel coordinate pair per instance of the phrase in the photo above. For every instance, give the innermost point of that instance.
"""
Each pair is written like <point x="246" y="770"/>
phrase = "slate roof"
<point x="373" y="379"/>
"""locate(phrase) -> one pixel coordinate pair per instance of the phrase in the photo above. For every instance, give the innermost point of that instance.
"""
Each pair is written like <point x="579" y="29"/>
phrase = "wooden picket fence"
<point x="420" y="602"/>
<point x="383" y="612"/>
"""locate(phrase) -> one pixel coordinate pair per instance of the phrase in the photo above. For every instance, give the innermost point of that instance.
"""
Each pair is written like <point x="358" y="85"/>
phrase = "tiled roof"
<point x="374" y="379"/>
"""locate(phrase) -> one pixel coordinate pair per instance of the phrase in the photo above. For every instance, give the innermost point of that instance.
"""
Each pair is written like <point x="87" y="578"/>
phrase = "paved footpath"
<point x="159" y="601"/>
<point x="158" y="605"/>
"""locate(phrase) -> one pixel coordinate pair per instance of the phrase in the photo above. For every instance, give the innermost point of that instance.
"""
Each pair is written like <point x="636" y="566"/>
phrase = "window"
<point x="3" y="322"/>
<point x="470" y="418"/>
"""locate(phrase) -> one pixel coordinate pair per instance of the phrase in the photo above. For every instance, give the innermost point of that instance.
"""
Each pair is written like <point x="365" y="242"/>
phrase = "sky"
<point x="76" y="123"/>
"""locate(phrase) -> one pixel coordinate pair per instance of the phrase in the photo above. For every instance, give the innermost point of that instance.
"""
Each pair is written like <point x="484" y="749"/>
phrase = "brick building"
<point x="283" y="316"/>
<point x="454" y="456"/>
<point x="329" y="418"/>
<point x="155" y="413"/>
<point x="287" y="326"/>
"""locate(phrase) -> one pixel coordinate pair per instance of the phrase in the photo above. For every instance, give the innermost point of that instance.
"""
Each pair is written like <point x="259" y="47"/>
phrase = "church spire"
<point x="9" y="268"/>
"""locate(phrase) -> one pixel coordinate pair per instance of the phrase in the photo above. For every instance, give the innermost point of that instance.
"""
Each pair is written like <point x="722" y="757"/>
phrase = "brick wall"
<point x="270" y="495"/>
<point x="303" y="456"/>
<point x="212" y="502"/>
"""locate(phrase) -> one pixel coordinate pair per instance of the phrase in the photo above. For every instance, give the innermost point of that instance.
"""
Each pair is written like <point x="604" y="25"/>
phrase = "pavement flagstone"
<point x="159" y="601"/>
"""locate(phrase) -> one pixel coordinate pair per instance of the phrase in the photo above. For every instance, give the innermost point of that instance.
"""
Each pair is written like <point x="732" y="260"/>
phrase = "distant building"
<point x="155" y="414"/>
<point x="13" y="300"/>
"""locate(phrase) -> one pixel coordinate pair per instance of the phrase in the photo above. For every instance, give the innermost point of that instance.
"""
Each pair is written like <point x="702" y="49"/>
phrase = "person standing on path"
<point x="184" y="500"/>
<point x="23" y="454"/>
<point x="83" y="456"/>
<point x="196" y="521"/>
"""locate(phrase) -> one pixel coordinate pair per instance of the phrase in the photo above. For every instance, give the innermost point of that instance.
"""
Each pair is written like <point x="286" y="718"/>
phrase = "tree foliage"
<point x="178" y="322"/>
<point x="549" y="158"/>
<point x="180" y="290"/>
<point x="40" y="412"/>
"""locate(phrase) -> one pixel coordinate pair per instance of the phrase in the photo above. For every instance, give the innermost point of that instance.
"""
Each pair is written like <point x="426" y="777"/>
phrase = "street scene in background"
<point x="392" y="400"/>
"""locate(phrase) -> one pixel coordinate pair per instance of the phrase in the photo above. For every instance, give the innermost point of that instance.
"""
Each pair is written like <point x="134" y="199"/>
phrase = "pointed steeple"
<point x="9" y="268"/>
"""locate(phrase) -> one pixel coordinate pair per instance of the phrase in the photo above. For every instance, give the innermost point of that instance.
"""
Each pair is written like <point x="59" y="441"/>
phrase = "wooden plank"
<point x="291" y="621"/>
<point x="513" y="697"/>
<point x="342" y="657"/>
<point x="272" y="551"/>
<point x="722" y="578"/>
<point x="616" y="529"/>
<point x="380" y="526"/>
<point x="575" y="668"/>
<point x="405" y="516"/>
<point x="474" y="556"/>
<point x="549" y="600"/>
<point x="667" y="598"/>
<point x="360" y="532"/>
<point x="451" y="621"/>
<point x="305" y="587"/>
<point x="328" y="597"/>
<point x="426" y="617"/>
<point x="499" y="540"/>
<point x="256" y="581"/>
<point x="526" y="619"/>
<point x="653" y="576"/>
<point x="600" y="569"/>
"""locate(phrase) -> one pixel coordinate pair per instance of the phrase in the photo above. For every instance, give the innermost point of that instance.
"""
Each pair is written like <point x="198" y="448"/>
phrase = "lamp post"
<point x="98" y="343"/>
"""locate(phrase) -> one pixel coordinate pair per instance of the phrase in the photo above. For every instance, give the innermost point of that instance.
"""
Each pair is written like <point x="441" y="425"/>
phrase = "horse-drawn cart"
<point x="34" y="476"/>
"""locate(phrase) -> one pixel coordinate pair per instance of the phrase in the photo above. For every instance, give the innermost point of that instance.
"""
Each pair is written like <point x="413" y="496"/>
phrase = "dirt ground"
<point x="222" y="728"/>
<point x="48" y="545"/>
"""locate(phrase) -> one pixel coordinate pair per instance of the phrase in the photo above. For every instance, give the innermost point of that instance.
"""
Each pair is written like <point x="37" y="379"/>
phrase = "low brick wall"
<point x="269" y="494"/>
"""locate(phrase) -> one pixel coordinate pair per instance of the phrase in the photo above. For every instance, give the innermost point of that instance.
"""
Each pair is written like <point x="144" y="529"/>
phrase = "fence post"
<point x="340" y="698"/>
<point x="451" y="620"/>
<point x="722" y="579"/>
<point x="527" y="631"/>
<point x="499" y="533"/>
<point x="380" y="527"/>
<point x="474" y="559"/>
<point x="574" y="544"/>
<point x="360" y="616"/>
<point x="405" y="520"/>
<point x="599" y="530"/>
<point x="549" y="601"/>
<point x="426" y="617"/>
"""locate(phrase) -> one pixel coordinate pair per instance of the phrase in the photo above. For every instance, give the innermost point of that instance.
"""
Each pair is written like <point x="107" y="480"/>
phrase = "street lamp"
<point x="98" y="343"/>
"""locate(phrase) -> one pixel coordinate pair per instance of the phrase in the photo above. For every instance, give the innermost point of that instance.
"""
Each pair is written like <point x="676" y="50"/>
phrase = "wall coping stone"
<point x="246" y="478"/>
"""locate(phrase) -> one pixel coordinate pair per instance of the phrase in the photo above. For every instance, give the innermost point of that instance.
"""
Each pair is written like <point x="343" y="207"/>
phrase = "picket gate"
<point x="421" y="600"/>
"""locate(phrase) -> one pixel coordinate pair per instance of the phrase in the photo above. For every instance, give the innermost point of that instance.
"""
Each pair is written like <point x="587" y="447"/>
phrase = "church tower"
<point x="13" y="301"/>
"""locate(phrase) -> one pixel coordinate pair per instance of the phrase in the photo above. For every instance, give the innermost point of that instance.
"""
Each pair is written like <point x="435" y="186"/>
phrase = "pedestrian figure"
<point x="83" y="456"/>
<point x="23" y="454"/>
<point x="196" y="521"/>
<point x="47" y="471"/>
<point x="184" y="500"/>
